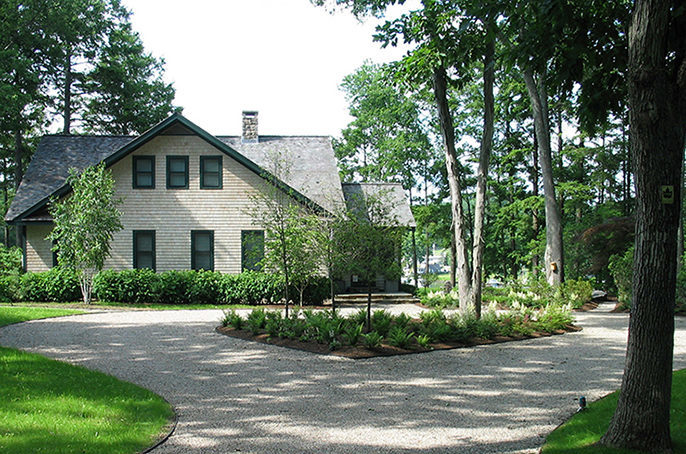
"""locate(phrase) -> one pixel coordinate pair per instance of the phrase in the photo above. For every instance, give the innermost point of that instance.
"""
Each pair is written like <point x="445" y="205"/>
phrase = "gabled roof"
<point x="48" y="171"/>
<point x="385" y="193"/>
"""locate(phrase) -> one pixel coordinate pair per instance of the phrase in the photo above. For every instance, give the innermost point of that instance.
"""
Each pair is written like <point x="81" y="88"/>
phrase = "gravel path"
<point x="238" y="396"/>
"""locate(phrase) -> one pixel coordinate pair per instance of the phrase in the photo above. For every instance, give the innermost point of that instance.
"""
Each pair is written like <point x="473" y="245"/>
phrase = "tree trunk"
<point x="463" y="273"/>
<point x="415" y="273"/>
<point x="657" y="106"/>
<point x="535" y="221"/>
<point x="453" y="257"/>
<point x="68" y="80"/>
<point x="553" y="221"/>
<point x="482" y="174"/>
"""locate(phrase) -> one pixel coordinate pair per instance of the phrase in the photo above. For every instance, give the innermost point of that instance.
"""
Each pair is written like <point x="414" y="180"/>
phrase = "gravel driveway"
<point x="239" y="396"/>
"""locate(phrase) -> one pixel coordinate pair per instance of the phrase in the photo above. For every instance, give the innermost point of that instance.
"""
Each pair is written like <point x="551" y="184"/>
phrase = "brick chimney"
<point x="249" y="127"/>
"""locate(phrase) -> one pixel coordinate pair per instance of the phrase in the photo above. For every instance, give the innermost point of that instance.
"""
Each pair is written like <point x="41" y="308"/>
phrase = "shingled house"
<point x="186" y="193"/>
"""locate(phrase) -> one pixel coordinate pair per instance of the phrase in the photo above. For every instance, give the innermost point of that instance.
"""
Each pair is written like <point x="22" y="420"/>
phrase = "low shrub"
<point x="372" y="340"/>
<point x="575" y="292"/>
<point x="231" y="318"/>
<point x="256" y="320"/>
<point x="10" y="260"/>
<point x="621" y="270"/>
<point x="175" y="287"/>
<point x="381" y="322"/>
<point x="441" y="299"/>
<point x="138" y="286"/>
<point x="553" y="318"/>
<point x="424" y="341"/>
<point x="400" y="338"/>
<point x="352" y="333"/>
<point x="58" y="285"/>
<point x="251" y="287"/>
<point x="10" y="286"/>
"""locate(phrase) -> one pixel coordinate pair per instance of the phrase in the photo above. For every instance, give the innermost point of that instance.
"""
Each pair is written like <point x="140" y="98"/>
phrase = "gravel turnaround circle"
<point x="233" y="395"/>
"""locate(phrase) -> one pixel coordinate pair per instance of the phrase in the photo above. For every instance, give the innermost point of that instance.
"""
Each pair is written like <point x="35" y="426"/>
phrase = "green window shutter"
<point x="252" y="250"/>
<point x="210" y="172"/>
<point x="144" y="249"/>
<point x="177" y="172"/>
<point x="143" y="171"/>
<point x="202" y="250"/>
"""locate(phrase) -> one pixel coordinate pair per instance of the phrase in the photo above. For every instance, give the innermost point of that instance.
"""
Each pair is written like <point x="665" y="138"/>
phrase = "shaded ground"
<point x="237" y="396"/>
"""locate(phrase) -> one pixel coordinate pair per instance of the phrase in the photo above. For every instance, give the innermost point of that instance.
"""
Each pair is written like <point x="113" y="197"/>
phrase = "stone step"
<point x="386" y="298"/>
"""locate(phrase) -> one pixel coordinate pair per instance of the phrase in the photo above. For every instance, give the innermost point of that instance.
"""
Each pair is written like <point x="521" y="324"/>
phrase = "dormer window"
<point x="144" y="172"/>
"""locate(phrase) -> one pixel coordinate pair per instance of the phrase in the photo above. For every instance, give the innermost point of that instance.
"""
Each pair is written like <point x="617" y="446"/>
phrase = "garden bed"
<point x="359" y="351"/>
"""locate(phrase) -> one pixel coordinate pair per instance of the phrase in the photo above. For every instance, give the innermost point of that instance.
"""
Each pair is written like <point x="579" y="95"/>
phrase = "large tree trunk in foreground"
<point x="482" y="175"/>
<point x="554" y="270"/>
<point x="446" y="123"/>
<point x="657" y="99"/>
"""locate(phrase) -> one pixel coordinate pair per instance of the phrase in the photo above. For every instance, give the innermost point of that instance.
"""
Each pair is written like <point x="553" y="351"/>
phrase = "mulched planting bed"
<point x="359" y="351"/>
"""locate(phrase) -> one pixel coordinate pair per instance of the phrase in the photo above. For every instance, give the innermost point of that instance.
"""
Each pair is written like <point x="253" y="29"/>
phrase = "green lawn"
<point x="579" y="434"/>
<point x="53" y="407"/>
<point x="155" y="307"/>
<point x="13" y="314"/>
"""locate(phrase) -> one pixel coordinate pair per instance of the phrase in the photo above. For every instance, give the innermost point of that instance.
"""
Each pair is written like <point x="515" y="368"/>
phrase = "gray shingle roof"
<point x="389" y="193"/>
<point x="310" y="165"/>
<point x="49" y="168"/>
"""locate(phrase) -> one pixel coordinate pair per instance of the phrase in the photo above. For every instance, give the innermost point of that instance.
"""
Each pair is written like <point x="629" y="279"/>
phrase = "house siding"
<point x="173" y="213"/>
<point x="38" y="249"/>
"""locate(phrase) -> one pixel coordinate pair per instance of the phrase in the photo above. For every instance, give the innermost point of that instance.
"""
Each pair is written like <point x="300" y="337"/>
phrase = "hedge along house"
<point x="187" y="195"/>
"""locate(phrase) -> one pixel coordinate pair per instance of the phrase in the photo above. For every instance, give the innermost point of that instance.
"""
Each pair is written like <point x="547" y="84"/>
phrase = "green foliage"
<point x="175" y="287"/>
<point x="85" y="224"/>
<point x="251" y="287"/>
<point x="381" y="322"/>
<point x="144" y="286"/>
<point x="256" y="320"/>
<point x="59" y="285"/>
<point x="127" y="286"/>
<point x="400" y="338"/>
<point x="273" y="324"/>
<point x="231" y="318"/>
<point x="440" y="299"/>
<point x="621" y="268"/>
<point x="130" y="95"/>
<point x="10" y="260"/>
<point x="10" y="286"/>
<point x="424" y="341"/>
<point x="352" y="333"/>
<point x="536" y="292"/>
<point x="552" y="318"/>
<point x="372" y="340"/>
<point x="386" y="129"/>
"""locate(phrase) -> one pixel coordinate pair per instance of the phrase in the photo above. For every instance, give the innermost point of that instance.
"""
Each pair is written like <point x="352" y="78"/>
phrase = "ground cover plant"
<point x="530" y="292"/>
<point x="328" y="331"/>
<point x="581" y="433"/>
<point x="50" y="406"/>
